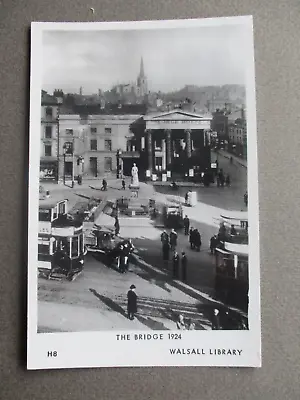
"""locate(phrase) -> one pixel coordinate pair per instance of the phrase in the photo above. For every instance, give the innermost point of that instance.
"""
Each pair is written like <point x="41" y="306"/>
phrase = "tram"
<point x="61" y="248"/>
<point x="231" y="279"/>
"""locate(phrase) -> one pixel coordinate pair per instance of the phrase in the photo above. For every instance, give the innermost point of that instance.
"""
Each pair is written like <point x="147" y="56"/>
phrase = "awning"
<point x="241" y="249"/>
<point x="236" y="215"/>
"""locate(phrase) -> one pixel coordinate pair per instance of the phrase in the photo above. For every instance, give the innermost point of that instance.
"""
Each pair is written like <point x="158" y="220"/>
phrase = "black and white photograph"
<point x="143" y="195"/>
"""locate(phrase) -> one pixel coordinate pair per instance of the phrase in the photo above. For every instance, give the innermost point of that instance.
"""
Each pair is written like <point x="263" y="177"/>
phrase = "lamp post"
<point x="118" y="163"/>
<point x="59" y="103"/>
<point x="64" y="167"/>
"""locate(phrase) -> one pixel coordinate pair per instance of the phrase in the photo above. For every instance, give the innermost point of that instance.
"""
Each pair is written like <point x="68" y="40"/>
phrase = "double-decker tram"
<point x="232" y="280"/>
<point x="61" y="248"/>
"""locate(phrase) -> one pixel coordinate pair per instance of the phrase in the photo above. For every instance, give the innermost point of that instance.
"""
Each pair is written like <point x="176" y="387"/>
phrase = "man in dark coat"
<point x="123" y="184"/>
<point x="192" y="238"/>
<point x="117" y="226"/>
<point x="213" y="244"/>
<point x="131" y="302"/>
<point x="104" y="184"/>
<point x="183" y="266"/>
<point x="175" y="265"/>
<point x="173" y="239"/>
<point x="186" y="224"/>
<point x="164" y="237"/>
<point x="198" y="240"/>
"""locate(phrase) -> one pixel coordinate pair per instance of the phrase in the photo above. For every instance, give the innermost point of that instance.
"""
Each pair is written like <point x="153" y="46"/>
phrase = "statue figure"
<point x="134" y="175"/>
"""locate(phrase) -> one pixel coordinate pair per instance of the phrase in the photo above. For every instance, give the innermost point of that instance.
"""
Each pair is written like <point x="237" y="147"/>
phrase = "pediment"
<point x="176" y="115"/>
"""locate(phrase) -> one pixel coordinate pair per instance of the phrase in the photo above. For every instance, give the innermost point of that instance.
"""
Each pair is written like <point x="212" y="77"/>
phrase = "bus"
<point x="61" y="248"/>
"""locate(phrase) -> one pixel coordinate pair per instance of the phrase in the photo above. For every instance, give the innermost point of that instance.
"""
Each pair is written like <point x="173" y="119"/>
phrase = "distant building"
<point x="237" y="132"/>
<point x="49" y="137"/>
<point x="136" y="90"/>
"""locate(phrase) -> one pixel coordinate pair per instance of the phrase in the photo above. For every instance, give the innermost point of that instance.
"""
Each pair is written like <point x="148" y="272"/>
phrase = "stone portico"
<point x="176" y="141"/>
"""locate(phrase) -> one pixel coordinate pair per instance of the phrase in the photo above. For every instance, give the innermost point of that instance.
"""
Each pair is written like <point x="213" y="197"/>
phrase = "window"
<point x="48" y="150"/>
<point x="107" y="144"/>
<point x="69" y="132"/>
<point x="93" y="129"/>
<point x="44" y="215"/>
<point x="49" y="112"/>
<point x="48" y="132"/>
<point x="61" y="208"/>
<point x="68" y="146"/>
<point x="44" y="248"/>
<point x="107" y="164"/>
<point x="93" y="144"/>
<point x="107" y="131"/>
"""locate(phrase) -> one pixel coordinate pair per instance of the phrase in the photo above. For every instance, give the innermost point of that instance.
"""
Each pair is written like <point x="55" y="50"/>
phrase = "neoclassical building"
<point x="176" y="141"/>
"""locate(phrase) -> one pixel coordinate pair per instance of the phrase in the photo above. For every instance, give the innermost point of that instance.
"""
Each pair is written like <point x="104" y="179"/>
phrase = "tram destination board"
<point x="143" y="245"/>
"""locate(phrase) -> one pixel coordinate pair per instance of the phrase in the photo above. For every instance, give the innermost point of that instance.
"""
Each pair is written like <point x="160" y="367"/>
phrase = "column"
<point x="169" y="146"/>
<point x="188" y="143"/>
<point x="150" y="150"/>
<point x="164" y="156"/>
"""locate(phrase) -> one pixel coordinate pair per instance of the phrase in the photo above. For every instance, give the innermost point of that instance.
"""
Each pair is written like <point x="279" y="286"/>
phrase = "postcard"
<point x="143" y="195"/>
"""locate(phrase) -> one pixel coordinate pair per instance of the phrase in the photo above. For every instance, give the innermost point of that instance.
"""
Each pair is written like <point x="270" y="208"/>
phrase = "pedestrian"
<point x="104" y="185"/>
<point x="164" y="237"/>
<point x="180" y="323"/>
<point x="117" y="226"/>
<point x="213" y="244"/>
<point x="215" y="325"/>
<point x="222" y="232"/>
<point x="183" y="266"/>
<point x="197" y="240"/>
<point x="123" y="184"/>
<point x="131" y="302"/>
<point x="120" y="258"/>
<point x="221" y="178"/>
<point x="186" y="198"/>
<point x="186" y="224"/>
<point x="166" y="251"/>
<point x="175" y="265"/>
<point x="192" y="238"/>
<point x="191" y="325"/>
<point x="173" y="239"/>
<point x="227" y="180"/>
<point x="128" y="249"/>
<point x="233" y="231"/>
<point x="246" y="199"/>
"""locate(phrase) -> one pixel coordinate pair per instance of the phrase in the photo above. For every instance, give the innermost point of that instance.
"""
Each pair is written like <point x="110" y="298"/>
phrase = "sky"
<point x="173" y="58"/>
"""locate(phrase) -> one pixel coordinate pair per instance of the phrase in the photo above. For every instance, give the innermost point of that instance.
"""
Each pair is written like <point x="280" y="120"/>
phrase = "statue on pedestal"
<point x="134" y="176"/>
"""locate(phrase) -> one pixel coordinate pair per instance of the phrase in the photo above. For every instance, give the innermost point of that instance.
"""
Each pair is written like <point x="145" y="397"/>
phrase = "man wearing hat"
<point x="131" y="302"/>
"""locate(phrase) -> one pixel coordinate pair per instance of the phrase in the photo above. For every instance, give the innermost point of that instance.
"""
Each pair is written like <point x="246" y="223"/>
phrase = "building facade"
<point x="49" y="138"/>
<point x="72" y="144"/>
<point x="107" y="135"/>
<point x="89" y="144"/>
<point x="175" y="142"/>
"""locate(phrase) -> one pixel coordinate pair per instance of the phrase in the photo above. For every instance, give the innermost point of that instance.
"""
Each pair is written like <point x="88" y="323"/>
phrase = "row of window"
<point x="70" y="132"/>
<point x="68" y="146"/>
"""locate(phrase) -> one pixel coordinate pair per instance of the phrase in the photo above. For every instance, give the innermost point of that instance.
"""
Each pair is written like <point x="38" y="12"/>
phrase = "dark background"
<point x="277" y="32"/>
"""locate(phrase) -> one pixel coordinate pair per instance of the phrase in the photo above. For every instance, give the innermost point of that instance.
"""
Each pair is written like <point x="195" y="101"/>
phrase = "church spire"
<point x="142" y="73"/>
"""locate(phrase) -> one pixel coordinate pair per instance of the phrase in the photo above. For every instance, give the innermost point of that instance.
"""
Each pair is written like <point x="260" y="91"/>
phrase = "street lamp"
<point x="64" y="168"/>
<point x="119" y="152"/>
<point x="59" y="103"/>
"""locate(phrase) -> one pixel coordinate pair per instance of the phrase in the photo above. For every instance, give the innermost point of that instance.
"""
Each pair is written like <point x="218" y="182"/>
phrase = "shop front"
<point x="48" y="170"/>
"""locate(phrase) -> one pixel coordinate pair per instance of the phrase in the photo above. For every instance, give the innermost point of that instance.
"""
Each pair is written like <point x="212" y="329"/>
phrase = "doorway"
<point x="68" y="168"/>
<point x="93" y="166"/>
